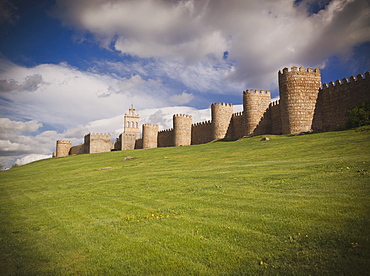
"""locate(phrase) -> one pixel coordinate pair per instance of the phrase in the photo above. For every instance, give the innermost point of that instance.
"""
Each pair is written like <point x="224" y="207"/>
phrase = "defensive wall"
<point x="339" y="96"/>
<point x="304" y="105"/>
<point x="201" y="133"/>
<point x="93" y="143"/>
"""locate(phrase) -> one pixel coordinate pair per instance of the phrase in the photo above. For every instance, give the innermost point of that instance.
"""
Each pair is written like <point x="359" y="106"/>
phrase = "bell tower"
<point x="131" y="123"/>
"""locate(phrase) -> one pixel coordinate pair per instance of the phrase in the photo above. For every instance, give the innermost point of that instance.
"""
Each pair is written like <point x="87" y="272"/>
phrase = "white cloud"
<point x="31" y="158"/>
<point x="67" y="97"/>
<point x="261" y="36"/>
<point x="9" y="126"/>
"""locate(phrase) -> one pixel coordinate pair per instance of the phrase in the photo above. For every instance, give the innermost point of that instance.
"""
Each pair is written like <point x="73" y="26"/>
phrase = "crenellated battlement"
<point x="345" y="81"/>
<point x="103" y="136"/>
<point x="182" y="116"/>
<point x="222" y="104"/>
<point x="150" y="125"/>
<point x="166" y="130"/>
<point x="301" y="69"/>
<point x="64" y="142"/>
<point x="274" y="103"/>
<point x="201" y="124"/>
<point x="238" y="114"/>
<point x="257" y="91"/>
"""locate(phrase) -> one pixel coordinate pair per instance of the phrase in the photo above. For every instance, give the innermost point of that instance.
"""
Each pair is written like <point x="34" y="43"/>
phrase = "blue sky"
<point x="69" y="67"/>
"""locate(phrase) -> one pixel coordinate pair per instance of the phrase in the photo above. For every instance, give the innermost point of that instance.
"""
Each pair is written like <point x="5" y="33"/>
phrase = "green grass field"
<point x="293" y="205"/>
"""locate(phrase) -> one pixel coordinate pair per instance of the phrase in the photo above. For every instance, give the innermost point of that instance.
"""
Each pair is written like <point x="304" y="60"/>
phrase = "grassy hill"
<point x="293" y="205"/>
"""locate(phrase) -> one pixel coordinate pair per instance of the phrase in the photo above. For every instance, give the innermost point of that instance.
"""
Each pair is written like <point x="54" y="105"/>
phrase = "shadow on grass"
<point x="227" y="140"/>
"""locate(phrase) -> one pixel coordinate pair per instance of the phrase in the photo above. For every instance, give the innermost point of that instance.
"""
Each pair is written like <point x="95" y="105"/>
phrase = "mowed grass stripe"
<point x="294" y="205"/>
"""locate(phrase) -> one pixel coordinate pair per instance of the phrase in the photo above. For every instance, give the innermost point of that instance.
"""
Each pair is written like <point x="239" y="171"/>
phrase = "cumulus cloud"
<point x="9" y="126"/>
<point x="65" y="96"/>
<point x="262" y="36"/>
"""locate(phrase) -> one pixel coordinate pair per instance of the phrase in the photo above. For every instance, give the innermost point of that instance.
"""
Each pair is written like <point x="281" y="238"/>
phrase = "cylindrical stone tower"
<point x="182" y="129"/>
<point x="255" y="103"/>
<point x="63" y="148"/>
<point x="150" y="136"/>
<point x="221" y="117"/>
<point x="298" y="93"/>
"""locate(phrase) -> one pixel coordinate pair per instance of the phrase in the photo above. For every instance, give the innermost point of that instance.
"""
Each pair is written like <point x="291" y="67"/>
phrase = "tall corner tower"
<point x="182" y="129"/>
<point x="298" y="94"/>
<point x="255" y="103"/>
<point x="221" y="118"/>
<point x="131" y="123"/>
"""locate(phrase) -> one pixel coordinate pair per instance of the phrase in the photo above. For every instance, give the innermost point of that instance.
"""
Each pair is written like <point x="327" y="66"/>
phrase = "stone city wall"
<point x="264" y="125"/>
<point x="201" y="133"/>
<point x="98" y="142"/>
<point x="166" y="138"/>
<point x="336" y="98"/>
<point x="78" y="149"/>
<point x="303" y="106"/>
<point x="139" y="143"/>
<point x="237" y="126"/>
<point x="275" y="115"/>
<point x="127" y="141"/>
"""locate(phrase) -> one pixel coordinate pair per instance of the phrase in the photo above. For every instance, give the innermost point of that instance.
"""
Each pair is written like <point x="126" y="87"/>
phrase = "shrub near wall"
<point x="359" y="115"/>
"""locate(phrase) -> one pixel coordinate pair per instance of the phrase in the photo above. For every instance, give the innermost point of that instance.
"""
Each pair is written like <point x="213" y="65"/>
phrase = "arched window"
<point x="128" y="124"/>
<point x="137" y="125"/>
